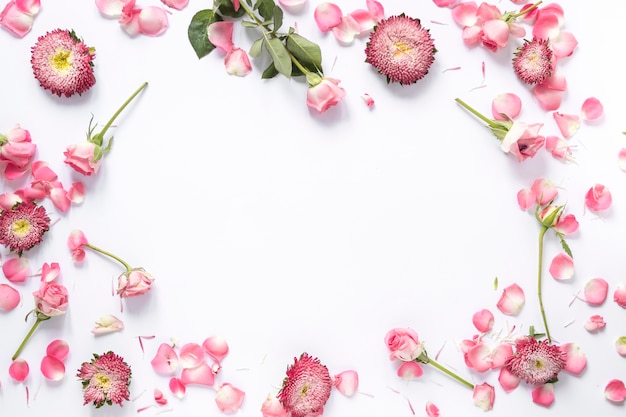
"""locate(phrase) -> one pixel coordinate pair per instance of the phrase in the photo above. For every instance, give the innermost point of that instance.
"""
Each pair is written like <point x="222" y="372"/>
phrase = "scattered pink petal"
<point x="596" y="291"/>
<point x="58" y="349"/>
<point x="346" y="382"/>
<point x="543" y="394"/>
<point x="17" y="21"/>
<point x="327" y="16"/>
<point x="50" y="272"/>
<point x="594" y="323"/>
<point x="506" y="106"/>
<point x="526" y="198"/>
<point x="107" y="324"/>
<point x="229" y="399"/>
<point x="484" y="396"/>
<point x="52" y="368"/>
<point x="76" y="192"/>
<point x="568" y="124"/>
<point x="200" y="375"/>
<point x="346" y="31"/>
<point x="431" y="409"/>
<point x="592" y="109"/>
<point x="550" y="93"/>
<point x="621" y="159"/>
<point x="367" y="99"/>
<point x="615" y="391"/>
<point x="375" y="9"/>
<point x="165" y="361"/>
<point x="445" y="3"/>
<point x="272" y="407"/>
<point x="176" y="4"/>
<point x="16" y="269"/>
<point x="410" y="370"/>
<point x="619" y="296"/>
<point x="19" y="370"/>
<point x="620" y="345"/>
<point x="512" y="300"/>
<point x="464" y="14"/>
<point x="152" y="21"/>
<point x="216" y="347"/>
<point x="221" y="35"/>
<point x="159" y="398"/>
<point x="483" y="320"/>
<point x="562" y="267"/>
<point x="507" y="380"/>
<point x="237" y="62"/>
<point x="112" y="8"/>
<point x="559" y="148"/>
<point x="567" y="224"/>
<point x="177" y="387"/>
<point x="598" y="198"/>
<point x="9" y="297"/>
<point x="544" y="190"/>
<point x="191" y="355"/>
<point x="575" y="360"/>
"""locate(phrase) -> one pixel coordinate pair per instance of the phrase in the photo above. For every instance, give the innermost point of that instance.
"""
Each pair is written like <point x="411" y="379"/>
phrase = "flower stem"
<point x="476" y="113"/>
<point x="542" y="232"/>
<point x="531" y="8"/>
<point x="109" y="254"/>
<point x="40" y="318"/>
<point x="117" y="113"/>
<point x="449" y="373"/>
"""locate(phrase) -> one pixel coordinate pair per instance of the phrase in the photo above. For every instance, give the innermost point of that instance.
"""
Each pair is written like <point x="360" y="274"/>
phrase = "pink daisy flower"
<point x="536" y="362"/>
<point x="105" y="380"/>
<point x="400" y="48"/>
<point x="62" y="63"/>
<point x="533" y="61"/>
<point x="23" y="227"/>
<point x="306" y="388"/>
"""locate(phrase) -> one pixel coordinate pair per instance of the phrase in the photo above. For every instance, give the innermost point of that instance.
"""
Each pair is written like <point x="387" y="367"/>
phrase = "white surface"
<point x="287" y="231"/>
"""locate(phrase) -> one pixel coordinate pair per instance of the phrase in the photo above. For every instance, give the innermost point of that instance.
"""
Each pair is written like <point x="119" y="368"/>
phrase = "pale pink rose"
<point x="51" y="299"/>
<point x="325" y="95"/>
<point x="403" y="344"/>
<point x="484" y="396"/>
<point x="84" y="157"/>
<point x="133" y="283"/>
<point x="523" y="140"/>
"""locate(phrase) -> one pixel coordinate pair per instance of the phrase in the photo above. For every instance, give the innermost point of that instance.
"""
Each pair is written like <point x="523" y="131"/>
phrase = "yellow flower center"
<point x="62" y="60"/>
<point x="538" y="364"/>
<point x="21" y="228"/>
<point x="401" y="48"/>
<point x="103" y="381"/>
<point x="304" y="390"/>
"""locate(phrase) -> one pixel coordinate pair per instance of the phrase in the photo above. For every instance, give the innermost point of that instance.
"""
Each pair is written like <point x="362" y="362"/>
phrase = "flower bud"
<point x="550" y="215"/>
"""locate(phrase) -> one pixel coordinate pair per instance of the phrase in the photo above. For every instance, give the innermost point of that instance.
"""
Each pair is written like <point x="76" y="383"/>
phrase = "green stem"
<point x="490" y="122"/>
<point x="531" y="8"/>
<point x="109" y="254"/>
<point x="28" y="335"/>
<point x="117" y="113"/>
<point x="449" y="373"/>
<point x="542" y="232"/>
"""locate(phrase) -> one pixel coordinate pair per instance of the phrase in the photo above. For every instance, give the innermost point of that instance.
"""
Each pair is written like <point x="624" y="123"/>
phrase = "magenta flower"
<point x="306" y="388"/>
<point x="533" y="61"/>
<point x="401" y="49"/>
<point x="105" y="380"/>
<point x="23" y="226"/>
<point x="536" y="362"/>
<point x="62" y="63"/>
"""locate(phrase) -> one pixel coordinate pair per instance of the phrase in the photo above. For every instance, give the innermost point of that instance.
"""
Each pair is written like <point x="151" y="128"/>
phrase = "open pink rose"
<point x="523" y="140"/>
<point x="403" y="344"/>
<point x="325" y="95"/>
<point x="133" y="283"/>
<point x="84" y="157"/>
<point x="51" y="299"/>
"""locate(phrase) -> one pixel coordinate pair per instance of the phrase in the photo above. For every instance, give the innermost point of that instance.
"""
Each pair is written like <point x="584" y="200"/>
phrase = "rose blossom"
<point x="134" y="282"/>
<point x="523" y="140"/>
<point x="324" y="94"/>
<point x="85" y="157"/>
<point x="51" y="299"/>
<point x="403" y="344"/>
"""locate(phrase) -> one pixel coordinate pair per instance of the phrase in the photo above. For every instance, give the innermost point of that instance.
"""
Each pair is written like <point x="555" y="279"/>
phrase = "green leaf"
<point x="280" y="56"/>
<point x="197" y="32"/>
<point x="249" y="24"/>
<point x="565" y="246"/>
<point x="265" y="8"/>
<point x="256" y="48"/>
<point x="226" y="8"/>
<point x="270" y="72"/>
<point x="305" y="51"/>
<point x="277" y="18"/>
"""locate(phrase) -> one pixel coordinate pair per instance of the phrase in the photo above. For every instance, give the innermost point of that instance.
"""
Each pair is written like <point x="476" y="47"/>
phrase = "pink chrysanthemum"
<point x="62" y="63"/>
<point x="400" y="48"/>
<point x="306" y="388"/>
<point x="536" y="362"/>
<point x="23" y="226"/>
<point x="533" y="61"/>
<point x="105" y="380"/>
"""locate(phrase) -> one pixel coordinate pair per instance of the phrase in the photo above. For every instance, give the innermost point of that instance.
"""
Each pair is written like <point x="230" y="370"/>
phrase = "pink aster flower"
<point x="23" y="226"/>
<point x="62" y="63"/>
<point x="533" y="61"/>
<point x="105" y="380"/>
<point x="401" y="49"/>
<point x="536" y="362"/>
<point x="306" y="388"/>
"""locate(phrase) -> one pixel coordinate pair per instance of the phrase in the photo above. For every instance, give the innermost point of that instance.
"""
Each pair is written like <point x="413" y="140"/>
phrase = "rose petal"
<point x="9" y="297"/>
<point x="52" y="368"/>
<point x="16" y="21"/>
<point x="19" y="370"/>
<point x="347" y="30"/>
<point x="526" y="198"/>
<point x="58" y="349"/>
<point x="575" y="360"/>
<point x="152" y="21"/>
<point x="592" y="109"/>
<point x="621" y="159"/>
<point x="562" y="267"/>
<point x="596" y="291"/>
<point x="327" y="16"/>
<point x="108" y="324"/>
<point x="615" y="391"/>
<point x="568" y="124"/>
<point x="191" y="355"/>
<point x="346" y="382"/>
<point x="272" y="407"/>
<point x="216" y="347"/>
<point x="177" y="387"/>
<point x="76" y="193"/>
<point x="410" y="370"/>
<point x="594" y="323"/>
<point x="229" y="399"/>
<point x="431" y="409"/>
<point x="201" y="375"/>
<point x="237" y="62"/>
<point x="620" y="345"/>
<point x="619" y="296"/>
<point x="159" y="398"/>
<point x="176" y="4"/>
<point x="512" y="300"/>
<point x="16" y="269"/>
<point x="598" y="198"/>
<point x="544" y="190"/>
<point x="507" y="380"/>
<point x="483" y="320"/>
<point x="543" y="395"/>
<point x="484" y="396"/>
<point x="112" y="8"/>
<point x="506" y="106"/>
<point x="165" y="361"/>
<point x="221" y="35"/>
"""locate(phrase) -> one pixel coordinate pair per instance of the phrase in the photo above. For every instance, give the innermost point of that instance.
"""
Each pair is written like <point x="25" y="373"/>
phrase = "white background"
<point x="288" y="231"/>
